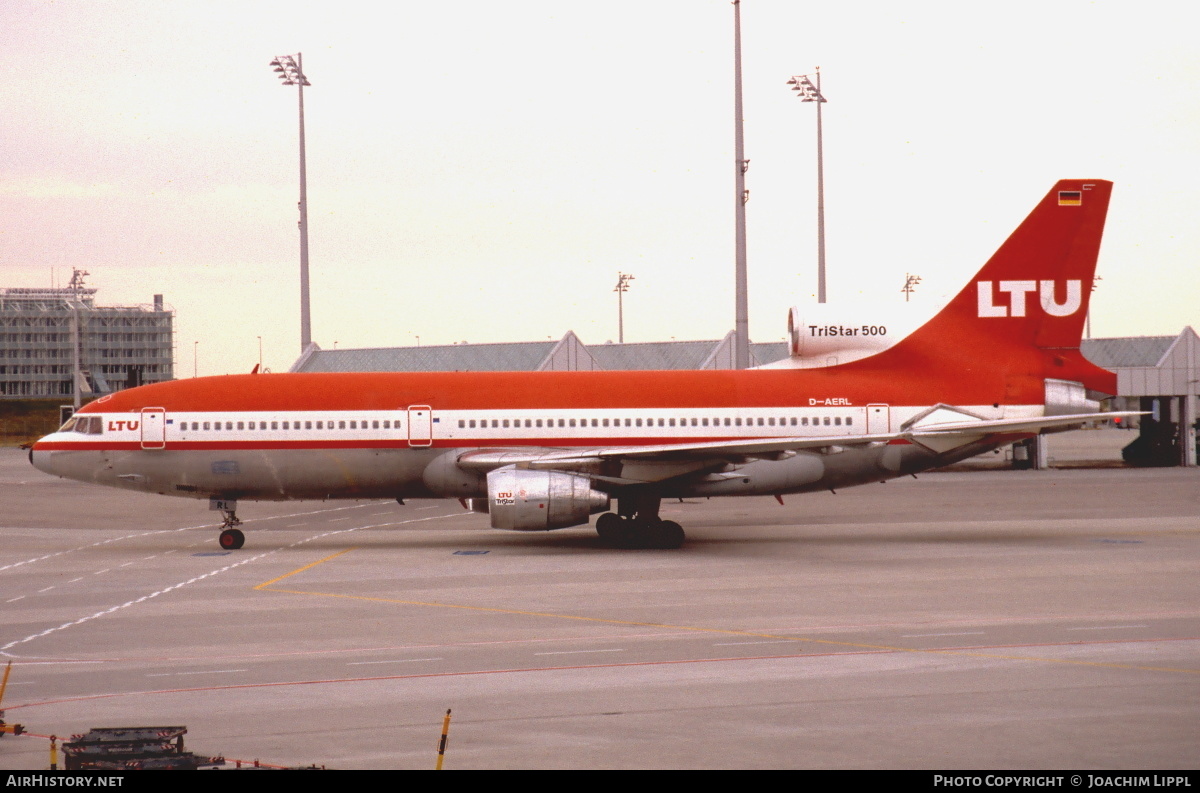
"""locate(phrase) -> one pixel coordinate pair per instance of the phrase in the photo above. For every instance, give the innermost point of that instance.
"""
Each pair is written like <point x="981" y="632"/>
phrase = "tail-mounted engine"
<point x="527" y="500"/>
<point x="825" y="334"/>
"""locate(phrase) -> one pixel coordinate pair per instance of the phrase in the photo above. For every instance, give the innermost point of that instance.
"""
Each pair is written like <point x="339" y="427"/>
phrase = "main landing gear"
<point x="231" y="537"/>
<point x="636" y="524"/>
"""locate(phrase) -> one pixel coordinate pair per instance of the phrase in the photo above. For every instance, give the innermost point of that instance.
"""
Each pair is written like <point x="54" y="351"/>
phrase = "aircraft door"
<point x="420" y="425"/>
<point x="153" y="425"/>
<point x="878" y="419"/>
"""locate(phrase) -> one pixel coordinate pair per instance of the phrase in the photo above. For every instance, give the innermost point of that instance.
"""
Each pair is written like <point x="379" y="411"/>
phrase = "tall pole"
<point x="291" y="71"/>
<point x="741" y="330"/>
<point x="820" y="198"/>
<point x="305" y="316"/>
<point x="809" y="92"/>
<point x="623" y="280"/>
<point x="76" y="285"/>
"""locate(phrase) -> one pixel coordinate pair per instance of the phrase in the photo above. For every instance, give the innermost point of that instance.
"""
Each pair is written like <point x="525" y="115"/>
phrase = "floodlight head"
<point x="288" y="69"/>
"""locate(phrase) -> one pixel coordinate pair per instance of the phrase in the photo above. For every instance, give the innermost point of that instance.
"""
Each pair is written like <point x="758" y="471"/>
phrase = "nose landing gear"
<point x="231" y="537"/>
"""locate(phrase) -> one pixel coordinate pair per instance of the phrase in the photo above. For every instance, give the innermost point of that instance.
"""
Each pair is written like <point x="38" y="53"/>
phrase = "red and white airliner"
<point x="546" y="450"/>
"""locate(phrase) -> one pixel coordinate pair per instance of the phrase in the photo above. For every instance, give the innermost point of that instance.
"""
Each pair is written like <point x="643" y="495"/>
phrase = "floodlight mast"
<point x="808" y="92"/>
<point x="741" y="329"/>
<point x="622" y="287"/>
<point x="291" y="71"/>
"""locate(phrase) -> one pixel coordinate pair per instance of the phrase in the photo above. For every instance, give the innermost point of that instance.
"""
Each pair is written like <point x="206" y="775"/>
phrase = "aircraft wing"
<point x="940" y="436"/>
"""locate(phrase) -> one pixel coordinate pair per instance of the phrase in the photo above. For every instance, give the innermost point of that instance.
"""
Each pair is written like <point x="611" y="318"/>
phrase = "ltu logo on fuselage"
<point x="1017" y="290"/>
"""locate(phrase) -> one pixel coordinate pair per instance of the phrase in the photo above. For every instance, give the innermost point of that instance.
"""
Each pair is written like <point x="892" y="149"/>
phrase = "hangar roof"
<point x="566" y="353"/>
<point x="1132" y="351"/>
<point x="513" y="357"/>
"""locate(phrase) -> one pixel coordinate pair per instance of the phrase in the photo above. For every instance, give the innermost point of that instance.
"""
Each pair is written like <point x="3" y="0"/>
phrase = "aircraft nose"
<point x="40" y="459"/>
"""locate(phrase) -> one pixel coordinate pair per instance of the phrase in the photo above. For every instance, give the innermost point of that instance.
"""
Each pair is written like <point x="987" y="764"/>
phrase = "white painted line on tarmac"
<point x="129" y="603"/>
<point x="209" y="574"/>
<point x="47" y="589"/>
<point x="735" y="644"/>
<point x="1109" y="628"/>
<point x="582" y="652"/>
<point x="926" y="635"/>
<point x="395" y="661"/>
<point x="14" y="600"/>
<point x="205" y="672"/>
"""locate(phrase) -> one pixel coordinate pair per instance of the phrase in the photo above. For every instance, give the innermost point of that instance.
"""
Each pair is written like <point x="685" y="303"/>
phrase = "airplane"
<point x="538" y="451"/>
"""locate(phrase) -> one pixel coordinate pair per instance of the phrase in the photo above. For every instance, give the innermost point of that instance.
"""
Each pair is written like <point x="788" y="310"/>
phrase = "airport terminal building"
<point x="54" y="340"/>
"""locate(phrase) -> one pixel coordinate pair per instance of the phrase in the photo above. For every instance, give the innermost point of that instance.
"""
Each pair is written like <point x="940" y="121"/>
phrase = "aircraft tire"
<point x="668" y="535"/>
<point x="232" y="539"/>
<point x="613" y="530"/>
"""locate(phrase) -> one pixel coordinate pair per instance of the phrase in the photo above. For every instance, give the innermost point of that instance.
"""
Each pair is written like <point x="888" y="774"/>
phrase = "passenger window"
<point x="353" y="425"/>
<point x="562" y="422"/>
<point x="639" y="422"/>
<point x="629" y="422"/>
<point x="606" y="422"/>
<point x="308" y="425"/>
<point x="506" y="423"/>
<point x="595" y="422"/>
<point x="849" y="421"/>
<point x="827" y="421"/>
<point x="704" y="422"/>
<point x="207" y="425"/>
<point x="804" y="421"/>
<point x="387" y="424"/>
<point x="320" y="425"/>
<point x="738" y="421"/>
<point x="286" y="425"/>
<point x="528" y="422"/>
<point x="539" y="422"/>
<point x="837" y="420"/>
<point x="374" y="424"/>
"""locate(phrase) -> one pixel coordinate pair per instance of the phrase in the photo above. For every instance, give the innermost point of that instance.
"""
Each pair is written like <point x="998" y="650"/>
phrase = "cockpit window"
<point x="88" y="425"/>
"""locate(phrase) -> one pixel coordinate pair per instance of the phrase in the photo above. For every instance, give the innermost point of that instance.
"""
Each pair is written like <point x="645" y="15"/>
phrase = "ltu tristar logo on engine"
<point x="1048" y="293"/>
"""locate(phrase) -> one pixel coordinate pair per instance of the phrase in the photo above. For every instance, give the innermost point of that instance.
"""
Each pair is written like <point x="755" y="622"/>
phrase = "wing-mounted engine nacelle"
<point x="825" y="334"/>
<point x="527" y="500"/>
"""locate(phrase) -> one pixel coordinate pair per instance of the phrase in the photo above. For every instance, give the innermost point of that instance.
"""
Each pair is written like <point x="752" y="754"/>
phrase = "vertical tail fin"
<point x="1032" y="294"/>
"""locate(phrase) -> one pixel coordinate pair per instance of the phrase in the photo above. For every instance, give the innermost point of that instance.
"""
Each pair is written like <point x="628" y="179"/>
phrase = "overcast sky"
<point x="481" y="171"/>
